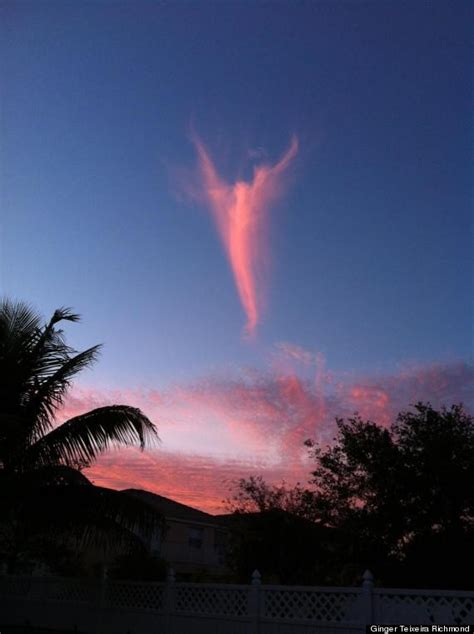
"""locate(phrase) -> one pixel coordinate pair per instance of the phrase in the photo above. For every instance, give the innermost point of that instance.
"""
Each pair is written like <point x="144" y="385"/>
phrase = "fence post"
<point x="368" y="597"/>
<point x="101" y="599"/>
<point x="254" y="602"/>
<point x="169" y="600"/>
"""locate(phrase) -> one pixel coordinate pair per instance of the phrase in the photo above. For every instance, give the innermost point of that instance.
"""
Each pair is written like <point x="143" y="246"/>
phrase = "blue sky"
<point x="371" y="242"/>
<point x="373" y="246"/>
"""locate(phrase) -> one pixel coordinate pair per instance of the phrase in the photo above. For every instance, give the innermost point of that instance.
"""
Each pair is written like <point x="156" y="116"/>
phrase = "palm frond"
<point x="49" y="394"/>
<point x="36" y="367"/>
<point x="50" y="341"/>
<point x="64" y="313"/>
<point x="50" y="349"/>
<point x="19" y="326"/>
<point x="83" y="438"/>
<point x="16" y="318"/>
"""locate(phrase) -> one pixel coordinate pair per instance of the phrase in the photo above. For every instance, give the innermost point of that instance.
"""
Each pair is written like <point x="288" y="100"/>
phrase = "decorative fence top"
<point x="423" y="606"/>
<point x="212" y="599"/>
<point x="350" y="606"/>
<point x="328" y="606"/>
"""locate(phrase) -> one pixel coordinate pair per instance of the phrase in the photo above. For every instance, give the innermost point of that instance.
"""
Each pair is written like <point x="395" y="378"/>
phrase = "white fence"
<point x="116" y="607"/>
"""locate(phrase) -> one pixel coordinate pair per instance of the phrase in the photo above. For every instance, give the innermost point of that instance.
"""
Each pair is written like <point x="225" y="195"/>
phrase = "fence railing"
<point x="133" y="607"/>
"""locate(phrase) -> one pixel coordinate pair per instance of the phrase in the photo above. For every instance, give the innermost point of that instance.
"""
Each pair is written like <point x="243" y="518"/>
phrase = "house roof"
<point x="171" y="509"/>
<point x="237" y="517"/>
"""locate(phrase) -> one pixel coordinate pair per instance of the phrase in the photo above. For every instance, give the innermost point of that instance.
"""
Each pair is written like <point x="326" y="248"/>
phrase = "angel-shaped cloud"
<point x="240" y="211"/>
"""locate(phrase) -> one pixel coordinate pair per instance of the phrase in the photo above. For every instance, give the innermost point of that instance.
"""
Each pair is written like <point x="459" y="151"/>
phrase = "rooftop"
<point x="171" y="509"/>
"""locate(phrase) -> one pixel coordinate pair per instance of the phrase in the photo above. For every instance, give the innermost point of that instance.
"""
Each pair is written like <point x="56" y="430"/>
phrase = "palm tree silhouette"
<point x="42" y="489"/>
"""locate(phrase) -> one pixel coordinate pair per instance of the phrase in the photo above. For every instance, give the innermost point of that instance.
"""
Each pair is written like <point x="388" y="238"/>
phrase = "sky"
<point x="262" y="210"/>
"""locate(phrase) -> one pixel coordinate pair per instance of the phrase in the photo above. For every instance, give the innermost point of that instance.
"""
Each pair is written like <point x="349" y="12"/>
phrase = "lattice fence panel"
<point x="15" y="587"/>
<point x="424" y="609"/>
<point x="73" y="590"/>
<point x="45" y="589"/>
<point x="138" y="596"/>
<point x="212" y="600"/>
<point x="331" y="607"/>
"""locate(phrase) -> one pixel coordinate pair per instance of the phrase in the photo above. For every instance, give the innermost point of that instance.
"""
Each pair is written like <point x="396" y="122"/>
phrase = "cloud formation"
<point x="240" y="211"/>
<point x="218" y="429"/>
<point x="201" y="481"/>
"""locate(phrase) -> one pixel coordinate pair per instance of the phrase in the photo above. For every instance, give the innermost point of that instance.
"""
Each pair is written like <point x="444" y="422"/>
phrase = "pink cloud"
<point x="240" y="211"/>
<point x="290" y="351"/>
<point x="200" y="481"/>
<point x="371" y="402"/>
<point x="215" y="430"/>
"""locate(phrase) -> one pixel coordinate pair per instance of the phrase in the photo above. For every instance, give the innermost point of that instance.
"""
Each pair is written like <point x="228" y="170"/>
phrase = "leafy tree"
<point x="254" y="495"/>
<point x="404" y="496"/>
<point x="41" y="487"/>
<point x="399" y="501"/>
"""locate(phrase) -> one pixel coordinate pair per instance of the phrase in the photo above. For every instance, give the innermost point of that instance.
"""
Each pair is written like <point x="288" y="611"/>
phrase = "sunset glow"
<point x="218" y="429"/>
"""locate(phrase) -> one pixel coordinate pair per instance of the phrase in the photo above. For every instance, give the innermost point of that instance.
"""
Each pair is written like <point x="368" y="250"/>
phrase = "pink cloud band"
<point x="219" y="429"/>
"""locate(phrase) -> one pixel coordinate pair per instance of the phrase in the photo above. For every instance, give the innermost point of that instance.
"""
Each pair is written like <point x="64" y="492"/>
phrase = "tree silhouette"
<point x="398" y="500"/>
<point x="41" y="486"/>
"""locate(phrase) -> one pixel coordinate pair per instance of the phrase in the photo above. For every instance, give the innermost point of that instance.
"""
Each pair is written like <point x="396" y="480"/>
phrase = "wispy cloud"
<point x="217" y="429"/>
<point x="291" y="351"/>
<point x="240" y="211"/>
<point x="198" y="480"/>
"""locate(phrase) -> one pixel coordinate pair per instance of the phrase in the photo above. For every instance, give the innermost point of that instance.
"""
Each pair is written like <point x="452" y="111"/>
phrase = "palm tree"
<point x="41" y="484"/>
